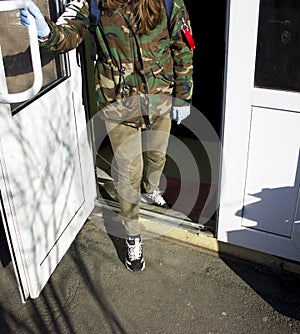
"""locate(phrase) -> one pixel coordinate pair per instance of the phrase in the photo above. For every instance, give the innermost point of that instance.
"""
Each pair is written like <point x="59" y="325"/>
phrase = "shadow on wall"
<point x="274" y="210"/>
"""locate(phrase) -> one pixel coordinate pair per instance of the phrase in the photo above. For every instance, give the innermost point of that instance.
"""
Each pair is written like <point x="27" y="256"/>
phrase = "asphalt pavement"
<point x="183" y="289"/>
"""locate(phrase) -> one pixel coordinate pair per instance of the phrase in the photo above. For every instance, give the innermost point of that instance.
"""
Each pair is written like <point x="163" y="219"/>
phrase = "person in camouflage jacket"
<point x="143" y="79"/>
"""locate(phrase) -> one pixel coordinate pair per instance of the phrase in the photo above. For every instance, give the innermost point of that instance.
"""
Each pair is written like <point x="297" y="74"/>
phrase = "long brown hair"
<point x="148" y="13"/>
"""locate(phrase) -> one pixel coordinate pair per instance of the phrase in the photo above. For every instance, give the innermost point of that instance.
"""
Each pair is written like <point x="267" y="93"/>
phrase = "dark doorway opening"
<point x="208" y="24"/>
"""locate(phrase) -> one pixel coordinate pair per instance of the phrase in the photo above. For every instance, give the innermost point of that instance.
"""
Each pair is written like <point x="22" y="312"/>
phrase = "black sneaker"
<point x="154" y="198"/>
<point x="134" y="259"/>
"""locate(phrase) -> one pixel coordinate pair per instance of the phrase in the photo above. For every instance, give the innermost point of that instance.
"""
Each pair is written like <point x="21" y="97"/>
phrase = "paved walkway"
<point x="183" y="289"/>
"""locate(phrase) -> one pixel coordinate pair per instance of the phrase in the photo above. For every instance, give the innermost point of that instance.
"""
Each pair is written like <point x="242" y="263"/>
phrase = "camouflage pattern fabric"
<point x="135" y="76"/>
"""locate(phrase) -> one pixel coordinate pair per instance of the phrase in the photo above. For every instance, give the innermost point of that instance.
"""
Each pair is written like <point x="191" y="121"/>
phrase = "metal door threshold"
<point x="170" y="218"/>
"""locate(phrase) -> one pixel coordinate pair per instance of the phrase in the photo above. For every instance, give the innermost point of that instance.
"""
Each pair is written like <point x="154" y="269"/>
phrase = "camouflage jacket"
<point x="135" y="76"/>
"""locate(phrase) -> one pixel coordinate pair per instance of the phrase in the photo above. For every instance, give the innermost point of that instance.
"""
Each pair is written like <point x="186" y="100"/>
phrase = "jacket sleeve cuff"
<point x="181" y="102"/>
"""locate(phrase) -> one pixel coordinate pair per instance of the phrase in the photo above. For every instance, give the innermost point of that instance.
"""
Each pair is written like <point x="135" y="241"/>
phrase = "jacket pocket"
<point x="107" y="80"/>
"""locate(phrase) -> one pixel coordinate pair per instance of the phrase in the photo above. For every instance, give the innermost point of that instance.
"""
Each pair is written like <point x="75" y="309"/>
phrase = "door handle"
<point x="6" y="97"/>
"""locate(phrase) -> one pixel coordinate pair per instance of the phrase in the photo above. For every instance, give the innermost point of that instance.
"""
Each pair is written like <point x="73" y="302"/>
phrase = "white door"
<point x="47" y="179"/>
<point x="259" y="202"/>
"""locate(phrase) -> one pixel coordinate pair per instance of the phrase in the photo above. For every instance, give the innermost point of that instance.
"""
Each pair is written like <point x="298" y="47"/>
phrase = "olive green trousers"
<point x="139" y="157"/>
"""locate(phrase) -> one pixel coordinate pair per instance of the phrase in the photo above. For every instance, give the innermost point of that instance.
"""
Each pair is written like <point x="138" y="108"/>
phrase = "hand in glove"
<point x="42" y="27"/>
<point x="180" y="113"/>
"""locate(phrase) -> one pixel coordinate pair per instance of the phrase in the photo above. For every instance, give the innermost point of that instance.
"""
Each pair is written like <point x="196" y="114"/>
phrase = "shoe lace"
<point x="157" y="197"/>
<point x="135" y="250"/>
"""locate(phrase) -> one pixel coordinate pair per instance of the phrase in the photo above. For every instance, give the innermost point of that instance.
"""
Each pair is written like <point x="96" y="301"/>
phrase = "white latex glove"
<point x="42" y="27"/>
<point x="180" y="113"/>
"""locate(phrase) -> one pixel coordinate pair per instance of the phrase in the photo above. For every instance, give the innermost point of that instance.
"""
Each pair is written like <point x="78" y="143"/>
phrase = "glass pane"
<point x="278" y="45"/>
<point x="14" y="41"/>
